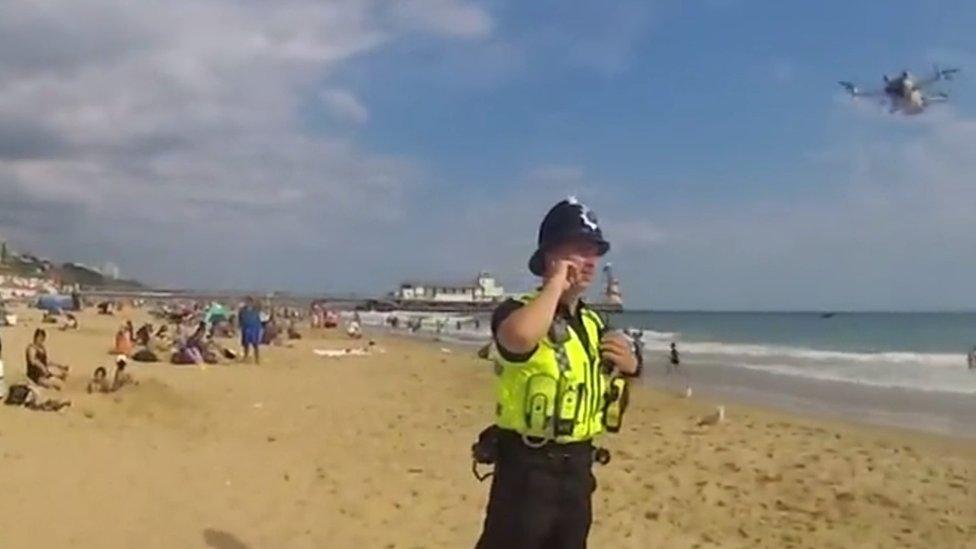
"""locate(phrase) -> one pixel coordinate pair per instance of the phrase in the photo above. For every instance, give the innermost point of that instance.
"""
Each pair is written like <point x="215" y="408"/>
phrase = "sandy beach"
<point x="308" y="451"/>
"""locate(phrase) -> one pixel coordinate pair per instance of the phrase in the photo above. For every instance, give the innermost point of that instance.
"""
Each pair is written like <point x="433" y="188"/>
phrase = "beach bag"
<point x="17" y="395"/>
<point x="145" y="355"/>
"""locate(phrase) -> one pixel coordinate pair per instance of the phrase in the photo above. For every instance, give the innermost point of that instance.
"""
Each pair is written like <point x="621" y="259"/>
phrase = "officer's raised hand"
<point x="617" y="349"/>
<point x="563" y="274"/>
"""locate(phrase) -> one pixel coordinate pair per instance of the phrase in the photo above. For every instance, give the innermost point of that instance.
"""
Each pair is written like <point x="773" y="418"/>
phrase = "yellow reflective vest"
<point x="556" y="394"/>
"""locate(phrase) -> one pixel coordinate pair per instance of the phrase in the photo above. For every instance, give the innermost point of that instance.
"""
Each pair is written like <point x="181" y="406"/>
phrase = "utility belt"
<point x="496" y="445"/>
<point x="511" y="446"/>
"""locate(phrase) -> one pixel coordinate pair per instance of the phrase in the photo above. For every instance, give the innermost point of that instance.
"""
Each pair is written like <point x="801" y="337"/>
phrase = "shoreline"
<point x="943" y="414"/>
<point x="938" y="413"/>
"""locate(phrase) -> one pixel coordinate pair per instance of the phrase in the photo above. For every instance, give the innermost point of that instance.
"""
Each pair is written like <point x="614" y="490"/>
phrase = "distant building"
<point x="111" y="270"/>
<point x="484" y="289"/>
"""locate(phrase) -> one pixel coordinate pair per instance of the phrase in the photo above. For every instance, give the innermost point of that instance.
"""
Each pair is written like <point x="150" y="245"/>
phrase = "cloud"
<point x="344" y="105"/>
<point x="446" y="16"/>
<point x="136" y="131"/>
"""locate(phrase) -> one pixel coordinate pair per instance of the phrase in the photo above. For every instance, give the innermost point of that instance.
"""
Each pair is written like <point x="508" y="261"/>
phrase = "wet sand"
<point x="949" y="414"/>
<point x="306" y="451"/>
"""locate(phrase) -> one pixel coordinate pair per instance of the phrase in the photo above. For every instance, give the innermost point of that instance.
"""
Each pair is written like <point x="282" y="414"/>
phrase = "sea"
<point x="912" y="351"/>
<point x="915" y="351"/>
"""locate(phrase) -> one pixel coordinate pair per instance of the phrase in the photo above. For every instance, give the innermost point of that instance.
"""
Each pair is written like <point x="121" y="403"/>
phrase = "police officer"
<point x="559" y="386"/>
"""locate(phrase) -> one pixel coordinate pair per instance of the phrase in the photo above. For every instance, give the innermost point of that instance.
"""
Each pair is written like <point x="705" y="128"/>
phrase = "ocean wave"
<point x="820" y="356"/>
<point x="901" y="378"/>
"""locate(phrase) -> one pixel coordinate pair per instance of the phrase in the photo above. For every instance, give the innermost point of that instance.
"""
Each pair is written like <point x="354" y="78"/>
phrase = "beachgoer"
<point x="249" y="319"/>
<point x="199" y="336"/>
<point x="972" y="358"/>
<point x="637" y="337"/>
<point x="293" y="332"/>
<point x="354" y="330"/>
<point x="123" y="341"/>
<point x="144" y="335"/>
<point x="99" y="381"/>
<point x="70" y="323"/>
<point x="674" y="361"/>
<point x="122" y="378"/>
<point x="40" y="369"/>
<point x="558" y="388"/>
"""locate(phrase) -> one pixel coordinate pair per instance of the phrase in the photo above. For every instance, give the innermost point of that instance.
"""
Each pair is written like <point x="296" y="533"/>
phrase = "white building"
<point x="12" y="287"/>
<point x="483" y="289"/>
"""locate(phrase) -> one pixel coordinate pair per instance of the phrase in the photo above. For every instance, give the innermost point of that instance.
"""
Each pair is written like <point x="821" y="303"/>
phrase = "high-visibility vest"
<point x="559" y="393"/>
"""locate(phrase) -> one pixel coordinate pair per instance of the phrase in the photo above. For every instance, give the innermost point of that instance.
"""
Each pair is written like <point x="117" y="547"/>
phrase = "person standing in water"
<point x="674" y="361"/>
<point x="559" y="385"/>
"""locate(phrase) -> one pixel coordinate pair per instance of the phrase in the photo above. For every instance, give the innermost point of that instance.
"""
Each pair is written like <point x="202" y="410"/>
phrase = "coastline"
<point x="935" y="412"/>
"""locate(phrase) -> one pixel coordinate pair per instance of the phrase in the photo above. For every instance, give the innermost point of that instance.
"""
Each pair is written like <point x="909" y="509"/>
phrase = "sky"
<point x="344" y="146"/>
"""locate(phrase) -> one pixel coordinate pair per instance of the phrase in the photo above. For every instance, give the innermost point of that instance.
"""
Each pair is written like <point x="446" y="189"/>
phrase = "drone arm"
<point x="939" y="74"/>
<point x="854" y="91"/>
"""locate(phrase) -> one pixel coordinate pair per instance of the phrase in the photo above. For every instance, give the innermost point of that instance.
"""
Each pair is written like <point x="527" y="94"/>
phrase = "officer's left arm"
<point x="617" y="348"/>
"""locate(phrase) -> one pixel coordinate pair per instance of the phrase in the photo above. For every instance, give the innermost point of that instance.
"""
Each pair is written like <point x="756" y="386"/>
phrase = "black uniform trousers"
<point x="540" y="497"/>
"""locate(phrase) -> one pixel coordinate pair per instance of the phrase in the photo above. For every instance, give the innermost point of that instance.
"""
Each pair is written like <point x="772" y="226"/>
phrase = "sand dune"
<point x="307" y="451"/>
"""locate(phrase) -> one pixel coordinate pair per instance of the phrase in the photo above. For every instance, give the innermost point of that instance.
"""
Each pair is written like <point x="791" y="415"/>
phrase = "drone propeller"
<point x="850" y="87"/>
<point x="944" y="74"/>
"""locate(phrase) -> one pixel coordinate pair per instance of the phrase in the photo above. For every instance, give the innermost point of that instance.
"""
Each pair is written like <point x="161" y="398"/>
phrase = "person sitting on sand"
<point x="354" y="331"/>
<point x="40" y="370"/>
<point x="198" y="337"/>
<point x="49" y="318"/>
<point x="70" y="323"/>
<point x="123" y="341"/>
<point x="144" y="335"/>
<point x="122" y="378"/>
<point x="99" y="381"/>
<point x="293" y="332"/>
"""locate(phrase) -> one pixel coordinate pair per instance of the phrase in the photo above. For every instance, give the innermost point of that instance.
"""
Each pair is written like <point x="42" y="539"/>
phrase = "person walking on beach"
<point x="558" y="387"/>
<point x="249" y="319"/>
<point x="674" y="361"/>
<point x="972" y="358"/>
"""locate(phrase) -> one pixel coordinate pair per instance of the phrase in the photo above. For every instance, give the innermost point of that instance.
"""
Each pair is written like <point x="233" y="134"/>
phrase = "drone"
<point x="905" y="93"/>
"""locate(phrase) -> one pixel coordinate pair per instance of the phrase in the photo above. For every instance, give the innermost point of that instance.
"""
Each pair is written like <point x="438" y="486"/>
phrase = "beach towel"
<point x="339" y="353"/>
